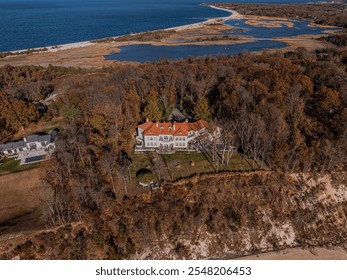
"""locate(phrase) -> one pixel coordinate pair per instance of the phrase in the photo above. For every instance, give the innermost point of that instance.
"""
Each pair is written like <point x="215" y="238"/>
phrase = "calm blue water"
<point x="300" y="27"/>
<point x="37" y="23"/>
<point x="144" y="53"/>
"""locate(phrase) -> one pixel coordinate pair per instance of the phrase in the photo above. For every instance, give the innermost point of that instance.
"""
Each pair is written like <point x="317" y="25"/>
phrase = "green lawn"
<point x="238" y="162"/>
<point x="185" y="164"/>
<point x="139" y="160"/>
<point x="52" y="124"/>
<point x="11" y="165"/>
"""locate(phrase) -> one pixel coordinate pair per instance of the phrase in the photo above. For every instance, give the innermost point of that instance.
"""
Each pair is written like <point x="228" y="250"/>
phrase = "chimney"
<point x="147" y="119"/>
<point x="186" y="119"/>
<point x="174" y="126"/>
<point x="157" y="124"/>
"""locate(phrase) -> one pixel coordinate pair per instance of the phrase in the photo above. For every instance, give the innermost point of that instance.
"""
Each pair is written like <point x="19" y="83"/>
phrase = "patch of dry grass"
<point x="22" y="199"/>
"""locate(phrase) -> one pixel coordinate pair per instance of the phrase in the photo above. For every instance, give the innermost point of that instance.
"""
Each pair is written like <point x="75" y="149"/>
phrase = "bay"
<point x="145" y="53"/>
<point x="28" y="24"/>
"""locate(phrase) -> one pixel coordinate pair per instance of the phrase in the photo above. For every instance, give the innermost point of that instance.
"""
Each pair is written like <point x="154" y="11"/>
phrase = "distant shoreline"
<point x="93" y="53"/>
<point x="62" y="47"/>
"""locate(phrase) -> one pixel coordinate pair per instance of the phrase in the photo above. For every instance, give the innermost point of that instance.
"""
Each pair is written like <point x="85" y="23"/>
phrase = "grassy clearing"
<point x="139" y="160"/>
<point x="42" y="126"/>
<point x="182" y="164"/>
<point x="185" y="164"/>
<point x="10" y="165"/>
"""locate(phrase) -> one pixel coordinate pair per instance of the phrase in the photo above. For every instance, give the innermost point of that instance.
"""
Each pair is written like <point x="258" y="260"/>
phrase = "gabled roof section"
<point x="6" y="146"/>
<point x="32" y="138"/>
<point x="181" y="129"/>
<point x="45" y="138"/>
<point x="198" y="125"/>
<point x="171" y="128"/>
<point x="145" y="125"/>
<point x="18" y="144"/>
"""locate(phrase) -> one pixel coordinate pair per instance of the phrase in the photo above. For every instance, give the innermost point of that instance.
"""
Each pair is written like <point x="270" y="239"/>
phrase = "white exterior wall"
<point x="181" y="141"/>
<point x="156" y="141"/>
<point x="175" y="141"/>
<point x="38" y="145"/>
<point x="23" y="149"/>
<point x="151" y="141"/>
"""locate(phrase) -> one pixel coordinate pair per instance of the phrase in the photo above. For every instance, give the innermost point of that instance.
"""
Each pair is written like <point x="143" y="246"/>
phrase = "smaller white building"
<point x="34" y="142"/>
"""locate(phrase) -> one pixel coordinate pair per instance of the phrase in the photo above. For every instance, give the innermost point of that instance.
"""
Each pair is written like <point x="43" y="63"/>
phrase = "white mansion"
<point x="170" y="136"/>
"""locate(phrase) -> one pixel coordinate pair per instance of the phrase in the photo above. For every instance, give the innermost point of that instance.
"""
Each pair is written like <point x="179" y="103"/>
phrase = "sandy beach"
<point x="56" y="48"/>
<point x="337" y="253"/>
<point x="91" y="54"/>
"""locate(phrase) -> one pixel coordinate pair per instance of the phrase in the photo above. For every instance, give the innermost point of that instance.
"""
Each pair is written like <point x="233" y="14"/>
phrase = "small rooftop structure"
<point x="176" y="115"/>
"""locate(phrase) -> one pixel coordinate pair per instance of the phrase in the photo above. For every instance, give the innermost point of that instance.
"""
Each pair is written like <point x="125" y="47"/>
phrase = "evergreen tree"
<point x="152" y="110"/>
<point x="202" y="109"/>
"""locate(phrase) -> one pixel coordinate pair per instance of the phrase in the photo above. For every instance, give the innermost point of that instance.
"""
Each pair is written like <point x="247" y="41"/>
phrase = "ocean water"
<point x="28" y="24"/>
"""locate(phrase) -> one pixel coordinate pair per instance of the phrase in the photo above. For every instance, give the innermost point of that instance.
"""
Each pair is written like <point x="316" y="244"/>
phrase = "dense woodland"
<point x="286" y="109"/>
<point x="21" y="90"/>
<point x="321" y="13"/>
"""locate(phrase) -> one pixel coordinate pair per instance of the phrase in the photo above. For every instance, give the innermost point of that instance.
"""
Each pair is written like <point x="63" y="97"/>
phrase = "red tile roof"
<point x="171" y="128"/>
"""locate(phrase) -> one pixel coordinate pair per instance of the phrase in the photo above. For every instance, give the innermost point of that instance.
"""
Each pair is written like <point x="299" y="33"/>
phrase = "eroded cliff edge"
<point x="207" y="216"/>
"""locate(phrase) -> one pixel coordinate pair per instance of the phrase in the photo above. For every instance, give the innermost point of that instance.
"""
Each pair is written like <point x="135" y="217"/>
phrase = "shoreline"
<point x="92" y="54"/>
<point x="75" y="45"/>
